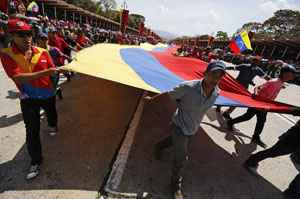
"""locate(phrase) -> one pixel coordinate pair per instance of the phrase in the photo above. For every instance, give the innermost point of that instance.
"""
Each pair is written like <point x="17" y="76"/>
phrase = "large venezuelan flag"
<point x="156" y="69"/>
<point x="240" y="43"/>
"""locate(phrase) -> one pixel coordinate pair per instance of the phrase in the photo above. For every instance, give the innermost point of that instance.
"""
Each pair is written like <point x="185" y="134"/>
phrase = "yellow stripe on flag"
<point x="104" y="61"/>
<point x="246" y="39"/>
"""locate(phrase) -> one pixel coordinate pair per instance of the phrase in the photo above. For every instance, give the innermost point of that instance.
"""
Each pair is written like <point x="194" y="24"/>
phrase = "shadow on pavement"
<point x="93" y="118"/>
<point x="11" y="120"/>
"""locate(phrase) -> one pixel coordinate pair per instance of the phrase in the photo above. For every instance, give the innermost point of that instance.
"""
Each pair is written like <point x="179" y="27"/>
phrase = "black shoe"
<point x="259" y="142"/>
<point x="226" y="116"/>
<point x="157" y="153"/>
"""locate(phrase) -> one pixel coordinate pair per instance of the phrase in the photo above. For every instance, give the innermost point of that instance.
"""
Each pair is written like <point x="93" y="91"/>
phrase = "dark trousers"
<point x="31" y="115"/>
<point x="180" y="143"/>
<point x="251" y="112"/>
<point x="279" y="149"/>
<point x="288" y="143"/>
<point x="294" y="187"/>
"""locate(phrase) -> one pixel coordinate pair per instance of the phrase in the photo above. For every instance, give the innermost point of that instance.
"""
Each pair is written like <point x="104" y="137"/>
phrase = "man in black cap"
<point x="192" y="100"/>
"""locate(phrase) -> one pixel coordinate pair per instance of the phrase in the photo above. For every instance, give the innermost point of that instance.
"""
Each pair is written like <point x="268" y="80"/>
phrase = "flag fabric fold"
<point x="154" y="68"/>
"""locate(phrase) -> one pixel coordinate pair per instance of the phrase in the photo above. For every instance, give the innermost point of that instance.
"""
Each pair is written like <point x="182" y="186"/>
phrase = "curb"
<point x="117" y="171"/>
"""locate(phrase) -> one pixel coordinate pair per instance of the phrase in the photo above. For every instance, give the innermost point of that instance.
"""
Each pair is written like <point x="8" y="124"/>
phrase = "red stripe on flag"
<point x="234" y="47"/>
<point x="192" y="68"/>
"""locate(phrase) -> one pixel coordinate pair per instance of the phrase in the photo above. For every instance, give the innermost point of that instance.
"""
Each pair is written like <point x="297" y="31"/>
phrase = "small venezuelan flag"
<point x="240" y="43"/>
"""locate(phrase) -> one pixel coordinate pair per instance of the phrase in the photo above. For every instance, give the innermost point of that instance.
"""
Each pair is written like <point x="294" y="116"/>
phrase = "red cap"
<point x="15" y="25"/>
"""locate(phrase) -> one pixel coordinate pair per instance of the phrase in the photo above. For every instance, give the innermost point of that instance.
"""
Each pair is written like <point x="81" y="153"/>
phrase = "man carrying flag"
<point x="268" y="91"/>
<point x="30" y="68"/>
<point x="192" y="100"/>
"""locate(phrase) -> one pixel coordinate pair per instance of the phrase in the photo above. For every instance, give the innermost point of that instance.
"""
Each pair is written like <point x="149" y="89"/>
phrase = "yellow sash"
<point x="26" y="67"/>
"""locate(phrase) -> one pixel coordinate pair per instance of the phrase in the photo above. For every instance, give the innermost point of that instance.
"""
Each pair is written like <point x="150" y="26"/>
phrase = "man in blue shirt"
<point x="192" y="100"/>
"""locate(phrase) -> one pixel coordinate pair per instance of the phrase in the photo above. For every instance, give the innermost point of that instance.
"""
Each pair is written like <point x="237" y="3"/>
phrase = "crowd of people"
<point x="269" y="66"/>
<point x="75" y="34"/>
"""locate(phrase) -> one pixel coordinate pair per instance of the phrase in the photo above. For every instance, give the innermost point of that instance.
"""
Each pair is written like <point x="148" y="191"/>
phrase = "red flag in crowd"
<point x="142" y="28"/>
<point x="124" y="20"/>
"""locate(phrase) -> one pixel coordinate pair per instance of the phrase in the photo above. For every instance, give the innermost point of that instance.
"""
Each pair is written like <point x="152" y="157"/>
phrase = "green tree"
<point x="254" y="27"/>
<point x="114" y="15"/>
<point x="101" y="7"/>
<point x="89" y="5"/>
<point x="107" y="5"/>
<point x="284" y="24"/>
<point x="221" y="35"/>
<point x="135" y="20"/>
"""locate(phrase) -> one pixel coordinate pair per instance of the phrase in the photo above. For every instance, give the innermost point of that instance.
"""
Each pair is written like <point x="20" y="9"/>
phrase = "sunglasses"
<point x="24" y="34"/>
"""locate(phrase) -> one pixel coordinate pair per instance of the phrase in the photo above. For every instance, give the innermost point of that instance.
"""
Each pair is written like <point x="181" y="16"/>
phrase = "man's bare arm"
<point x="26" y="77"/>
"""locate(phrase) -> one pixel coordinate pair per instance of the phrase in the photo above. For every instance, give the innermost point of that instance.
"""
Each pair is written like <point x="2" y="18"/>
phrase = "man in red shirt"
<point x="267" y="91"/>
<point x="57" y="41"/>
<point x="82" y="40"/>
<point x="61" y="44"/>
<point x="30" y="68"/>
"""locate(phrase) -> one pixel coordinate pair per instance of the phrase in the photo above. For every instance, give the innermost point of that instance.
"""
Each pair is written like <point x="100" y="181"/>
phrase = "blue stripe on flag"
<point x="240" y="43"/>
<point x="224" y="101"/>
<point x="150" y="69"/>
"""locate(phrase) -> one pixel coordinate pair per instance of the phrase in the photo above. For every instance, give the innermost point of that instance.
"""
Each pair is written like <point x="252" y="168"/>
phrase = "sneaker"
<point x="42" y="114"/>
<point x="177" y="188"/>
<point x="259" y="142"/>
<point x="178" y="194"/>
<point x="52" y="130"/>
<point x="33" y="172"/>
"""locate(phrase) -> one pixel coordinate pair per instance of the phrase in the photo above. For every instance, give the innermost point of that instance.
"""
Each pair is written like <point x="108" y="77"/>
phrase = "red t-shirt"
<point x="82" y="41"/>
<point x="14" y="64"/>
<point x="58" y="42"/>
